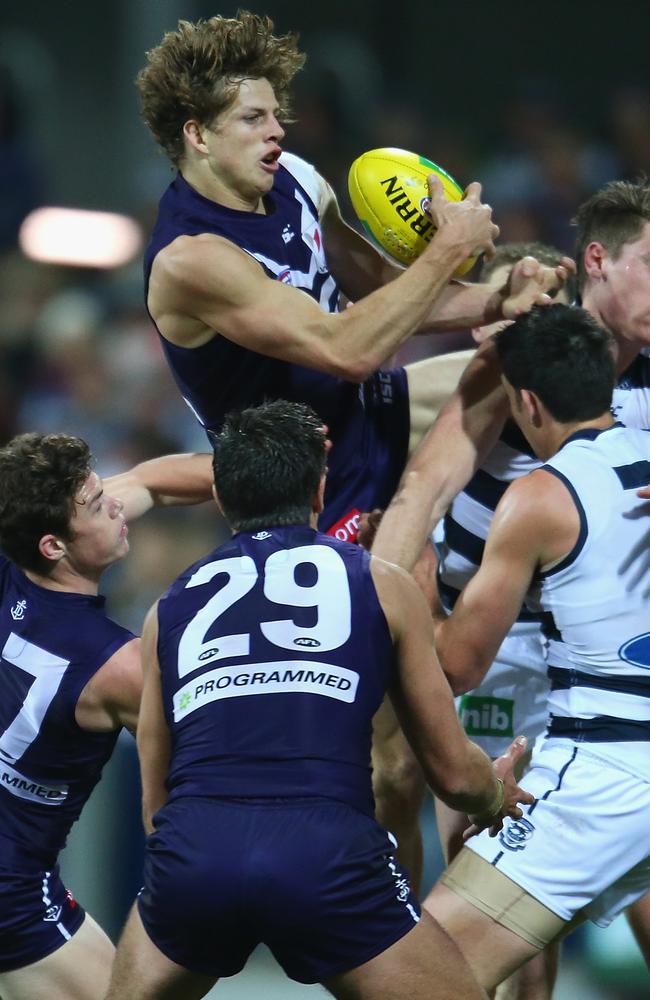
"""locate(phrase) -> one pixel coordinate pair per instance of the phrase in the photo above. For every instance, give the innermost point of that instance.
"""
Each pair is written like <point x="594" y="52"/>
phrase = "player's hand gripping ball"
<point x="389" y="192"/>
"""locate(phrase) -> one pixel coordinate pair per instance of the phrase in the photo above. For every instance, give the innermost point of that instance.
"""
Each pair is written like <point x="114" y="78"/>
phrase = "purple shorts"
<point x="314" y="880"/>
<point x="37" y="916"/>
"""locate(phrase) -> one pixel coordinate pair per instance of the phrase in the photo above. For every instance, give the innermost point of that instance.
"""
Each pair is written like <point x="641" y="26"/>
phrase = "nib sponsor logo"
<point x="482" y="716"/>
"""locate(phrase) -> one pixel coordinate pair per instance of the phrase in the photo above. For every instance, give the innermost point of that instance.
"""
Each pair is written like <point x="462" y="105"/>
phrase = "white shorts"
<point x="584" y="843"/>
<point x="511" y="701"/>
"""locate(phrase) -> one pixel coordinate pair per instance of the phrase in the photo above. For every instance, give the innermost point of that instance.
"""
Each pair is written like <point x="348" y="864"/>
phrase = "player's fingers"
<point x="473" y="191"/>
<point x="644" y="493"/>
<point x="568" y="264"/>
<point x="436" y="189"/>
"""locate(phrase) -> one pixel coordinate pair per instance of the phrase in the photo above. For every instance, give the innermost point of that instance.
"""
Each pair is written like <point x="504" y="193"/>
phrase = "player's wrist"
<point x="493" y="810"/>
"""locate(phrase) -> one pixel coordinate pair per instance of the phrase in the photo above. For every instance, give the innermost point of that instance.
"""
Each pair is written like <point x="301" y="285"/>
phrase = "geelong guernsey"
<point x="274" y="654"/>
<point x="468" y="519"/>
<point x="597" y="600"/>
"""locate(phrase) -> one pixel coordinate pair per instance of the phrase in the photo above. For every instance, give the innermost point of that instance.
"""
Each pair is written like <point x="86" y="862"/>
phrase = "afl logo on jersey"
<point x="285" y="276"/>
<point x="208" y="653"/>
<point x="637" y="651"/>
<point x="304" y="640"/>
<point x="516" y="834"/>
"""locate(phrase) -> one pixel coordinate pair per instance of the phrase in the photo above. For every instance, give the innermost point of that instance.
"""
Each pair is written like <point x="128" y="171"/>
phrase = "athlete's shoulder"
<point x="308" y="177"/>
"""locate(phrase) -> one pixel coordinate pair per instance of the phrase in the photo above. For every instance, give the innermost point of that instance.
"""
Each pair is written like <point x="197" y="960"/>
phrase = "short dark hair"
<point x="562" y="355"/>
<point x="40" y="475"/>
<point x="268" y="461"/>
<point x="510" y="253"/>
<point x="614" y="215"/>
<point x="196" y="70"/>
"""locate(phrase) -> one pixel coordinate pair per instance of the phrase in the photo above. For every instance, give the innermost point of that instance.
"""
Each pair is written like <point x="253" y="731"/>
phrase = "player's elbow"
<point x="465" y="676"/>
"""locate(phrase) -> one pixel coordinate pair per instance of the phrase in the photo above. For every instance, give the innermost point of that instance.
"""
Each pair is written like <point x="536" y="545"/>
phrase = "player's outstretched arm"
<point x="202" y="284"/>
<point x="455" y="768"/>
<point x="535" y="524"/>
<point x="153" y="737"/>
<point x="462" y="435"/>
<point x="529" y="283"/>
<point x="171" y="480"/>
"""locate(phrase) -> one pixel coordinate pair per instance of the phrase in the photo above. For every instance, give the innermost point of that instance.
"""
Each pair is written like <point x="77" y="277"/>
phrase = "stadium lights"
<point x="79" y="238"/>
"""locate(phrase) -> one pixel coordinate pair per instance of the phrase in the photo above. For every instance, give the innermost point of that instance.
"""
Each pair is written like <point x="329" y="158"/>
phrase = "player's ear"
<point x="215" y="496"/>
<point x="531" y="406"/>
<point x="318" y="503"/>
<point x="595" y="260"/>
<point x="193" y="134"/>
<point x="52" y="548"/>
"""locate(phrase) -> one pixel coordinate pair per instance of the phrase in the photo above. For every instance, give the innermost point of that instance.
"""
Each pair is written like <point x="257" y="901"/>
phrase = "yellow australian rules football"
<point x="390" y="195"/>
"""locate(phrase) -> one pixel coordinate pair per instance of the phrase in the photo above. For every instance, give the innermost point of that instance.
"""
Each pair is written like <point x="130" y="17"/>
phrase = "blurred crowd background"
<point x="542" y="105"/>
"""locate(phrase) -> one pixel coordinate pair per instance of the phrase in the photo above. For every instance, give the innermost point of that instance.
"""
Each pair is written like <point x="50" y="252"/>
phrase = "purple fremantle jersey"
<point x="274" y="655"/>
<point x="368" y="424"/>
<point x="51" y="644"/>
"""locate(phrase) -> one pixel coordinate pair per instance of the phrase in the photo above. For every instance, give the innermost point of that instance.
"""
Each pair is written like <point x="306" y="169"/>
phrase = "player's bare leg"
<point x="431" y="383"/>
<point x="638" y="916"/>
<point x="536" y="979"/>
<point x="142" y="972"/>
<point x="78" y="970"/>
<point x="493" y="952"/>
<point x="423" y="965"/>
<point x="399" y="789"/>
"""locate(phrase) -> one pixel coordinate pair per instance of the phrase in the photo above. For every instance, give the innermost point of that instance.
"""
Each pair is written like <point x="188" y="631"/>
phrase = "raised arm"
<point x="535" y="524"/>
<point x="172" y="480"/>
<point x="153" y="737"/>
<point x="449" y="454"/>
<point x="455" y="768"/>
<point x="202" y="284"/>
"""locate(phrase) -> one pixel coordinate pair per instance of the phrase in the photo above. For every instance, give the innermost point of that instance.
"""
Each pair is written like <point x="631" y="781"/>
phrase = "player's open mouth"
<point x="270" y="161"/>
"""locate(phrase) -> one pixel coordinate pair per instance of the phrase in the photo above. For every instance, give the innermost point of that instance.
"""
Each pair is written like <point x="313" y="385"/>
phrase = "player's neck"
<point x="200" y="177"/>
<point x="65" y="580"/>
<point x="564" y="431"/>
<point x="625" y="351"/>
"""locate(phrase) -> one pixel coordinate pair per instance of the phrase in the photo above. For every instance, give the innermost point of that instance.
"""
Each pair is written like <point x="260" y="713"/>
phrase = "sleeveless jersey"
<point x="274" y="654"/>
<point x="368" y="424"/>
<point x="596" y="600"/>
<point x="468" y="519"/>
<point x="51" y="644"/>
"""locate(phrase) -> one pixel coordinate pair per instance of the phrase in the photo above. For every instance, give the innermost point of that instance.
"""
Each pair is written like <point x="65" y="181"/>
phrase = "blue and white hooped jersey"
<point x="469" y="516"/>
<point x="51" y="644"/>
<point x="596" y="601"/>
<point x="468" y="519"/>
<point x="275" y="654"/>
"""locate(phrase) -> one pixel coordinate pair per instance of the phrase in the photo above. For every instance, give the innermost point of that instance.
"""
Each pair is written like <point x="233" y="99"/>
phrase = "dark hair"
<point x="562" y="355"/>
<point x="510" y="253"/>
<point x="40" y="475"/>
<point x="267" y="464"/>
<point x="196" y="70"/>
<point x="613" y="216"/>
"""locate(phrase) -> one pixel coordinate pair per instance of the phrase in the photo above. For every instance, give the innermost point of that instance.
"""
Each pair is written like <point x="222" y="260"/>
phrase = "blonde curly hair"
<point x="196" y="70"/>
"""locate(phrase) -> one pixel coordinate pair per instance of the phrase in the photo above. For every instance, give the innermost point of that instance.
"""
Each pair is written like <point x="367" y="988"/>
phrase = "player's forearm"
<point x="368" y="333"/>
<point x="449" y="454"/>
<point x="461" y="306"/>
<point x="171" y="480"/>
<point x="475" y="790"/>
